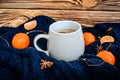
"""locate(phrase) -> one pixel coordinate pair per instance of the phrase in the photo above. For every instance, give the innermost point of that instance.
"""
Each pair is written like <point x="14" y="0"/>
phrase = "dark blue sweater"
<point x="24" y="64"/>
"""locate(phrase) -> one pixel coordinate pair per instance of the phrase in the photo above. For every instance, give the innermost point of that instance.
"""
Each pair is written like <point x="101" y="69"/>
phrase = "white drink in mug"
<point x="65" y="40"/>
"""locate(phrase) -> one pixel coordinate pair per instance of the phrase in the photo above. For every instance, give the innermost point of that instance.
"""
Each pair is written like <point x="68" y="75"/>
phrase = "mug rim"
<point x="53" y="31"/>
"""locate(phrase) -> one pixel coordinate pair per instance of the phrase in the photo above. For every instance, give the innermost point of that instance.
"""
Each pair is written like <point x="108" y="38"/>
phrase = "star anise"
<point x="99" y="48"/>
<point x="45" y="64"/>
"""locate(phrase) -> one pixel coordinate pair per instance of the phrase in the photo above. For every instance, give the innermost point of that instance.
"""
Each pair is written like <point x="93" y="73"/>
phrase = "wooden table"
<point x="86" y="12"/>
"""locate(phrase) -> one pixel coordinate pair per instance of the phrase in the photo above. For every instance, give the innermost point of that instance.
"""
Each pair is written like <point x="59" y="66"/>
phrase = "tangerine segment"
<point x="30" y="25"/>
<point x="20" y="41"/>
<point x="106" y="39"/>
<point x="88" y="38"/>
<point x="107" y="56"/>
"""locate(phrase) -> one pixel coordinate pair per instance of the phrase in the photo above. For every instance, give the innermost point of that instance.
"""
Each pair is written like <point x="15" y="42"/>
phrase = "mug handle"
<point x="35" y="42"/>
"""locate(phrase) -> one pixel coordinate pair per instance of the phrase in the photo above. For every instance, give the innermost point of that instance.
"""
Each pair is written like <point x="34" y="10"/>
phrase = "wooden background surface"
<point x="86" y="12"/>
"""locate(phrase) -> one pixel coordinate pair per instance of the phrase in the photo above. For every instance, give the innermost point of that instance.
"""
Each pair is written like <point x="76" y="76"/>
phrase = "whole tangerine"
<point x="107" y="56"/>
<point x="88" y="38"/>
<point x="20" y="41"/>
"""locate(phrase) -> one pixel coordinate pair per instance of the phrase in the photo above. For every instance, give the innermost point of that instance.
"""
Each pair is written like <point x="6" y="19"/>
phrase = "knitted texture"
<point x="24" y="64"/>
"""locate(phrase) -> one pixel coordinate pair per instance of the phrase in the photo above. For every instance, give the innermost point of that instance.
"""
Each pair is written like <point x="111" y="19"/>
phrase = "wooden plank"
<point x="11" y="1"/>
<point x="14" y="17"/>
<point x="111" y="5"/>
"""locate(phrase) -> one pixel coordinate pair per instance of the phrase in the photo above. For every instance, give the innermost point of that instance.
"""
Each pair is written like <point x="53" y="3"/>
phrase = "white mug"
<point x="65" y="40"/>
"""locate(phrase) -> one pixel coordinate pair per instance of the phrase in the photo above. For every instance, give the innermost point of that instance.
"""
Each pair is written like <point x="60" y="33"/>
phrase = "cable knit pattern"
<point x="24" y="64"/>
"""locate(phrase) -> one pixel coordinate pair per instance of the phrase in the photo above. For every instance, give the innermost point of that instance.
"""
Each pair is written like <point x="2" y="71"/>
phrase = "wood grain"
<point x="58" y="4"/>
<point x="14" y="12"/>
<point x="88" y="18"/>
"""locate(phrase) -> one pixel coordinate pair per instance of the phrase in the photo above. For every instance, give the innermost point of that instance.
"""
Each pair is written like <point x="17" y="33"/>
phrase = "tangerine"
<point x="88" y="38"/>
<point x="106" y="38"/>
<point x="107" y="56"/>
<point x="30" y="25"/>
<point x="20" y="41"/>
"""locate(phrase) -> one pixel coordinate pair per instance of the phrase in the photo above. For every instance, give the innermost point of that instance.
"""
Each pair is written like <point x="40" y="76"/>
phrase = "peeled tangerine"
<point x="30" y="25"/>
<point x="106" y="38"/>
<point x="107" y="56"/>
<point x="88" y="38"/>
<point x="20" y="41"/>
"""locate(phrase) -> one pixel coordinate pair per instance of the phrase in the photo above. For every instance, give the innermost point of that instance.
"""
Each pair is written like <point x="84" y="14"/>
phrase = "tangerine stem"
<point x="86" y="61"/>
<point x="36" y="31"/>
<point x="5" y="40"/>
<point x="108" y="46"/>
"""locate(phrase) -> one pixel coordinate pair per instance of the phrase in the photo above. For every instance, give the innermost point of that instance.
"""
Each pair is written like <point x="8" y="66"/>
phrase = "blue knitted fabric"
<point x="24" y="64"/>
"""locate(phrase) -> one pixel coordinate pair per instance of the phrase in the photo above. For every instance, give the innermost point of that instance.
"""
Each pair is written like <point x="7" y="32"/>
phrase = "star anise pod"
<point x="45" y="64"/>
<point x="99" y="48"/>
